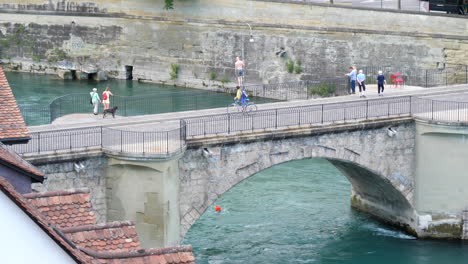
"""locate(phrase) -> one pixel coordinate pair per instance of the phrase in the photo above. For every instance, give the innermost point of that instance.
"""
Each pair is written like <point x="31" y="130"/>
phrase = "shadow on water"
<point x="299" y="212"/>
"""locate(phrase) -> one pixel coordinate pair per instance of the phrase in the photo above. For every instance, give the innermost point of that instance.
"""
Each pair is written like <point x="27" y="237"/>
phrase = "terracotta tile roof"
<point x="110" y="237"/>
<point x="13" y="160"/>
<point x="171" y="255"/>
<point x="12" y="126"/>
<point x="65" y="208"/>
<point x="111" y="243"/>
<point x="40" y="220"/>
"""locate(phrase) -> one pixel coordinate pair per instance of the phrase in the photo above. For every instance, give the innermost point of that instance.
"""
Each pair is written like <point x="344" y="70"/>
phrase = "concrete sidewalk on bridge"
<point x="171" y="120"/>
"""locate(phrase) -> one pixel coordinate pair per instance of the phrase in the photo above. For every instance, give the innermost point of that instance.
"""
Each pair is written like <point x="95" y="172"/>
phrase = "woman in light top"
<point x="105" y="98"/>
<point x="361" y="79"/>
<point x="95" y="100"/>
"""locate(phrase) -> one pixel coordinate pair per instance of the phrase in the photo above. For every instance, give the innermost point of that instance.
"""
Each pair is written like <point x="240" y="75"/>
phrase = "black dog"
<point x="110" y="110"/>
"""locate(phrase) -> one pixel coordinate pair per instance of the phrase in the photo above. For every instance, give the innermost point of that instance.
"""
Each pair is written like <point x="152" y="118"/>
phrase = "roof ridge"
<point x="115" y="224"/>
<point x="136" y="253"/>
<point x="56" y="193"/>
<point x="20" y="163"/>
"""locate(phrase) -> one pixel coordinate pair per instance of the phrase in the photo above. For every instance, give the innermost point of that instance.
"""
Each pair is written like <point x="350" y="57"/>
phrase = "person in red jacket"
<point x="106" y="98"/>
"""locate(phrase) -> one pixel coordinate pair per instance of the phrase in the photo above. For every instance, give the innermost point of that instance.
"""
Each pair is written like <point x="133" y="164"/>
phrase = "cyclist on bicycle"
<point x="241" y="98"/>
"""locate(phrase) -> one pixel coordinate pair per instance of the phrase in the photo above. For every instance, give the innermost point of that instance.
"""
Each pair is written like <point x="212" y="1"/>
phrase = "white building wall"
<point x="23" y="241"/>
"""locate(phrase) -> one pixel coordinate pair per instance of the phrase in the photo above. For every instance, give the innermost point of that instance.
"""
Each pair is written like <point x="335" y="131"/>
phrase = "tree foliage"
<point x="168" y="4"/>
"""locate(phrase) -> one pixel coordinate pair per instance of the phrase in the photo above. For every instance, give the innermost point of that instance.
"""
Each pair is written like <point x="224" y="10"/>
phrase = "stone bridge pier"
<point x="146" y="191"/>
<point x="377" y="158"/>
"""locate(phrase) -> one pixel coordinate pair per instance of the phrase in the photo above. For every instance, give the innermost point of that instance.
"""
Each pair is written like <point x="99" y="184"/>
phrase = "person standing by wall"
<point x="106" y="98"/>
<point x="240" y="71"/>
<point x="361" y="79"/>
<point x="380" y="83"/>
<point x="352" y="79"/>
<point x="95" y="100"/>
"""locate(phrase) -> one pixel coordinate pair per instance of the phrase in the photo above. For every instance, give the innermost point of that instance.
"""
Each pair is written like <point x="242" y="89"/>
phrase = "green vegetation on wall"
<point x="17" y="40"/>
<point x="174" y="71"/>
<point x="212" y="76"/>
<point x="290" y="66"/>
<point x="298" y="67"/>
<point x="56" y="55"/>
<point x="168" y="4"/>
<point x="322" y="89"/>
<point x="293" y="67"/>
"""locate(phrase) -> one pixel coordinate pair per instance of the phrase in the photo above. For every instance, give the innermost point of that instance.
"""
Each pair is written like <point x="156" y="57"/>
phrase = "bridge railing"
<point x="297" y="116"/>
<point x="298" y="90"/>
<point x="440" y="110"/>
<point x="168" y="143"/>
<point x="130" y="143"/>
<point x="128" y="105"/>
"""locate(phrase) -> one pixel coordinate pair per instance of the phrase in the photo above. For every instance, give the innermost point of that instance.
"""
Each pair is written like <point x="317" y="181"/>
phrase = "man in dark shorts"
<point x="240" y="71"/>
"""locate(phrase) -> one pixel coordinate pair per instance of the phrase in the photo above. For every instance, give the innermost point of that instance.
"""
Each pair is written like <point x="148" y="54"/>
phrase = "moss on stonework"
<point x="357" y="203"/>
<point x="455" y="230"/>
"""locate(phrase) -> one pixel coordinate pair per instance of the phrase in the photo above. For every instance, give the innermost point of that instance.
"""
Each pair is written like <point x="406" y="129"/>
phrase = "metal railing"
<point x="194" y="100"/>
<point x="419" y="77"/>
<point x="131" y="143"/>
<point x="168" y="143"/>
<point x="300" y="89"/>
<point x="420" y="6"/>
<point x="128" y="105"/>
<point x="440" y="110"/>
<point x="297" y="116"/>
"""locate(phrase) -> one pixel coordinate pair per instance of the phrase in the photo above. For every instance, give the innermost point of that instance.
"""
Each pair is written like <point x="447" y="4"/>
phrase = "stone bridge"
<point x="378" y="163"/>
<point x="404" y="157"/>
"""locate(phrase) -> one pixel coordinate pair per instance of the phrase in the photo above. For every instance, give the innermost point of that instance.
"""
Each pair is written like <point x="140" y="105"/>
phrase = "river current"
<point x="299" y="212"/>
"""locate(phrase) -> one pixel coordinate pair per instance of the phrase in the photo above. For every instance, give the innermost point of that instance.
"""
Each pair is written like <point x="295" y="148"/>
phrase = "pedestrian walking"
<point x="361" y="80"/>
<point x="352" y="79"/>
<point x="239" y="67"/>
<point x="380" y="83"/>
<point x="95" y="100"/>
<point x="106" y="98"/>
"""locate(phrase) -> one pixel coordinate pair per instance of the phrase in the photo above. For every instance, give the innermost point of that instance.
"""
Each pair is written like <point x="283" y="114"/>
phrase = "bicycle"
<point x="237" y="107"/>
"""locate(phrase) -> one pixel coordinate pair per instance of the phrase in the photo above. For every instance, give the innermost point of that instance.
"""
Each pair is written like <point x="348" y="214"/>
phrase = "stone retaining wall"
<point x="203" y="37"/>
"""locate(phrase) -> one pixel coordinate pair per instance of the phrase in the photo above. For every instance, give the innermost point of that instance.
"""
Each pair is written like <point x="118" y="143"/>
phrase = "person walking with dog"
<point x="95" y="100"/>
<point x="106" y="98"/>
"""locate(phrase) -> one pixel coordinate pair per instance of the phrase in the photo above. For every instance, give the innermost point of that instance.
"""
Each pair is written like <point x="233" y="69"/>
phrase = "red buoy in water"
<point x="218" y="208"/>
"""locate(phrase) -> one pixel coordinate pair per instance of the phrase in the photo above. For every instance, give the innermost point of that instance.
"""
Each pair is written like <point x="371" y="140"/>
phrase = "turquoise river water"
<point x="299" y="212"/>
<point x="34" y="93"/>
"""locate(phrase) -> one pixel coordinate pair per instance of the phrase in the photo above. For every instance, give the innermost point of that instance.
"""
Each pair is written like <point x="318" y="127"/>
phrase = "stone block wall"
<point x="204" y="37"/>
<point x="82" y="173"/>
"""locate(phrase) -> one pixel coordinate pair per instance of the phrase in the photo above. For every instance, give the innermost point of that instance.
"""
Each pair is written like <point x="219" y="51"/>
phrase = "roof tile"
<point x="42" y="221"/>
<point x="53" y="204"/>
<point x="12" y="124"/>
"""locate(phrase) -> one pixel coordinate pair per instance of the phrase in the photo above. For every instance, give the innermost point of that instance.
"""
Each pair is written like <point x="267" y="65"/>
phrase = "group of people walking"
<point x="96" y="100"/>
<point x="360" y="79"/>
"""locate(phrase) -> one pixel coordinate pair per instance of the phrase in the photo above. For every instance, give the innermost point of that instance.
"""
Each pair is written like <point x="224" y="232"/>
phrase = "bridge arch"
<point x="379" y="168"/>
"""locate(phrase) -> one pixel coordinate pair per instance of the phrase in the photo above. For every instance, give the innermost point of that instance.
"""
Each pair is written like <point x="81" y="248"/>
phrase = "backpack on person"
<point x="104" y="96"/>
